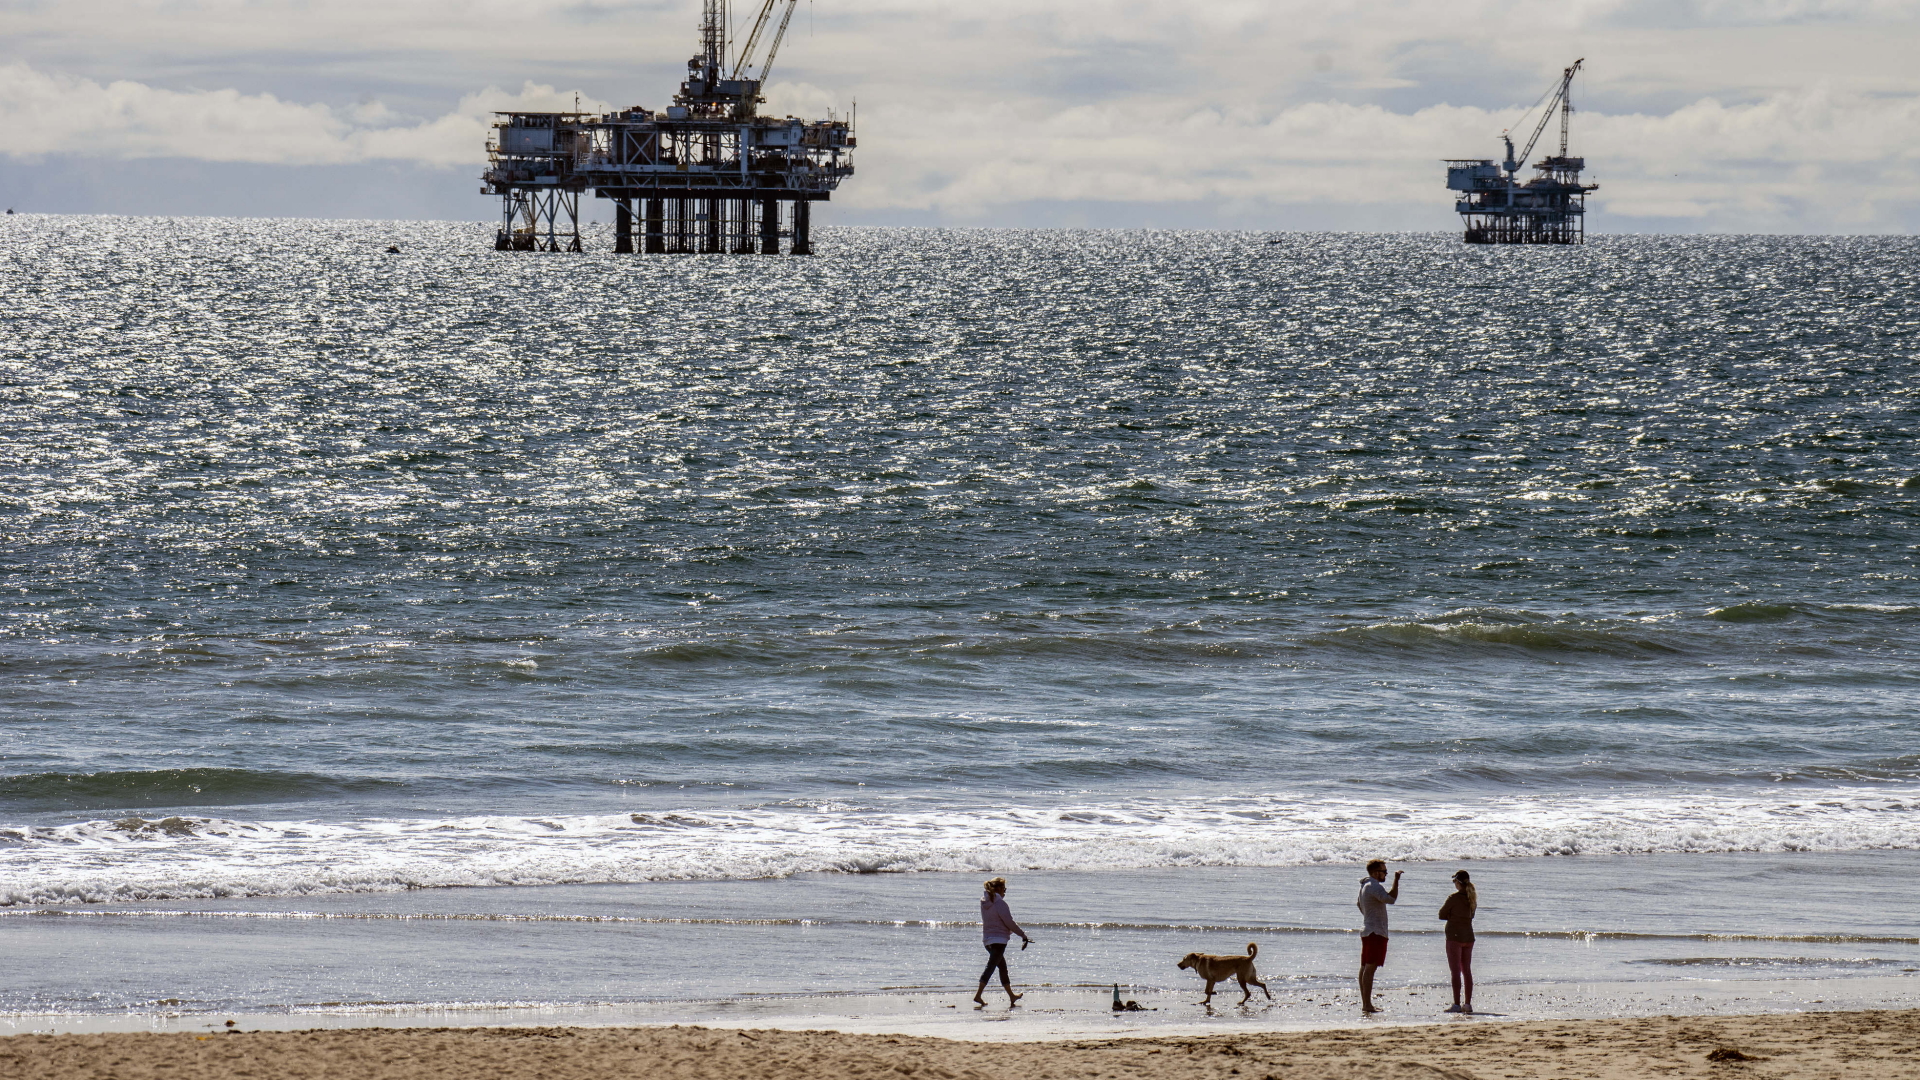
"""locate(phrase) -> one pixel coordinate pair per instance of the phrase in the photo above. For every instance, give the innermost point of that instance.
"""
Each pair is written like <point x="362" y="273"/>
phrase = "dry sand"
<point x="1854" y="1045"/>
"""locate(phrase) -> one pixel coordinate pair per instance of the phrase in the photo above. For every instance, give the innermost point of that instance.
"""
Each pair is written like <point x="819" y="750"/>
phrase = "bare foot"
<point x="981" y="1002"/>
<point x="1013" y="999"/>
<point x="1368" y="1009"/>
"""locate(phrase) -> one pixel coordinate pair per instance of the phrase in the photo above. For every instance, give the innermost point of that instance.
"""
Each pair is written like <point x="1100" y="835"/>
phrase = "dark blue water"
<point x="327" y="569"/>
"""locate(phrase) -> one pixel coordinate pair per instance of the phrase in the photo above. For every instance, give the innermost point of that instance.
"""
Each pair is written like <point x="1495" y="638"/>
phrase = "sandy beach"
<point x="1809" y="1045"/>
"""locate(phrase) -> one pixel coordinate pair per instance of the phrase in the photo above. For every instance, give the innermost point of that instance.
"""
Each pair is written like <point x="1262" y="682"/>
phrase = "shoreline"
<point x="1563" y="937"/>
<point x="1050" y="1013"/>
<point x="1878" y="1043"/>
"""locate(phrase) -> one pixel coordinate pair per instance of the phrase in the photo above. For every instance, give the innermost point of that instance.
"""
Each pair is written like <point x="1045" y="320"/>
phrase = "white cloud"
<point x="55" y="114"/>
<point x="802" y="99"/>
<point x="1857" y="155"/>
<point x="1741" y="114"/>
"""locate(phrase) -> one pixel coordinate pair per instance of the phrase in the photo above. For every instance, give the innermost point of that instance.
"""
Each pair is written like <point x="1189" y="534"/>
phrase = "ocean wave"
<point x="1877" y="609"/>
<point x="1583" y="936"/>
<point x="1518" y="632"/>
<point x="1858" y="963"/>
<point x="174" y="787"/>
<point x="180" y="858"/>
<point x="1151" y="645"/>
<point x="1748" y="613"/>
<point x="1905" y="767"/>
<point x="1146" y="644"/>
<point x="1481" y="630"/>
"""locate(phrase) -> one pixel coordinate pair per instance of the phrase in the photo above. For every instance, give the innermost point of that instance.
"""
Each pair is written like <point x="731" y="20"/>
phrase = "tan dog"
<point x="1218" y="969"/>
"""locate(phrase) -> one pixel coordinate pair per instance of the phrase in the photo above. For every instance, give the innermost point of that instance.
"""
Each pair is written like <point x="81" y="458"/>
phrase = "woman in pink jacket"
<point x="996" y="928"/>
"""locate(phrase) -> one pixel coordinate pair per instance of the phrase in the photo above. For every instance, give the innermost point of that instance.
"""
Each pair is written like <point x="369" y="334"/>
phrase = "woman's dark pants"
<point x="996" y="958"/>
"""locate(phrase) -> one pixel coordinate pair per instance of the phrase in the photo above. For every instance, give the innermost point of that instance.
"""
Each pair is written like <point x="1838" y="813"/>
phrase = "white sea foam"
<point x="1876" y="609"/>
<point x="180" y="858"/>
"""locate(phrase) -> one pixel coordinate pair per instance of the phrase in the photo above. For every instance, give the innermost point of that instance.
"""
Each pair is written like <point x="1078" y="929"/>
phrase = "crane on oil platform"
<point x="1550" y="208"/>
<point x="715" y="89"/>
<point x="743" y="62"/>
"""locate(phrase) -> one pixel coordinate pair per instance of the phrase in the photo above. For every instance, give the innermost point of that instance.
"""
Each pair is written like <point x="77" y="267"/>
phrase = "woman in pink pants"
<point x="1458" y="913"/>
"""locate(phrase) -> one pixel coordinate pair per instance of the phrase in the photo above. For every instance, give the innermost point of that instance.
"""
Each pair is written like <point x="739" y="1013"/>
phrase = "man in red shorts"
<point x="1374" y="898"/>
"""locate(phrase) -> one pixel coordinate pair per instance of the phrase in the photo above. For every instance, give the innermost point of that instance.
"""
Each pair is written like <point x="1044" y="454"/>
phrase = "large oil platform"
<point x="1551" y="208"/>
<point x="706" y="174"/>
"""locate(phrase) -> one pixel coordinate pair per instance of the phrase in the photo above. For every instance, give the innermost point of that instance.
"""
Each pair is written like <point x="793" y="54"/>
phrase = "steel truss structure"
<point x="540" y="219"/>
<point x="1550" y="208"/>
<point x="708" y="174"/>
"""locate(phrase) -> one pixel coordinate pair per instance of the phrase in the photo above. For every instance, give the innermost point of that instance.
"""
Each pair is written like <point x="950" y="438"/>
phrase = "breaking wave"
<point x="174" y="787"/>
<point x="1786" y="963"/>
<point x="1479" y="630"/>
<point x="182" y="857"/>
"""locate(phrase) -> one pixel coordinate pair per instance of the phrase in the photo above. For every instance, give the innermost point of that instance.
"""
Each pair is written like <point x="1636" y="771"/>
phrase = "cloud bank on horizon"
<point x="1723" y="115"/>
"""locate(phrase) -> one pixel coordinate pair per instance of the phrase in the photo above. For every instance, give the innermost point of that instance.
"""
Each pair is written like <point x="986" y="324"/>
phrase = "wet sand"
<point x="1811" y="1045"/>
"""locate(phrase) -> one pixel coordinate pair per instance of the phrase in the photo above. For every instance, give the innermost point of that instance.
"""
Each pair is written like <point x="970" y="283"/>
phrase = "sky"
<point x="1737" y="116"/>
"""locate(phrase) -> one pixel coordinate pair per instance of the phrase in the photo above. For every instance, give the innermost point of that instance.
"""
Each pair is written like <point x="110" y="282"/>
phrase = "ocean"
<point x="457" y="629"/>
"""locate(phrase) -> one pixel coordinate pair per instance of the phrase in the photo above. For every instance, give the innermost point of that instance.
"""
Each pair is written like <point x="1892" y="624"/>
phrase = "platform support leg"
<point x="802" y="243"/>
<point x="741" y="241"/>
<point x="769" y="227"/>
<point x="622" y="228"/>
<point x="655" y="244"/>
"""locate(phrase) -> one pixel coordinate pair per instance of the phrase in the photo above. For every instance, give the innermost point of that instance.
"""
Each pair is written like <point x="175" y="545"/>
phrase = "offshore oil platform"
<point x="1551" y="208"/>
<point x="706" y="174"/>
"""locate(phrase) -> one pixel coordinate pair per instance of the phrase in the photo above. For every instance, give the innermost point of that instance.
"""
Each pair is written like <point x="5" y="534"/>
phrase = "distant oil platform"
<point x="707" y="174"/>
<point x="1551" y="208"/>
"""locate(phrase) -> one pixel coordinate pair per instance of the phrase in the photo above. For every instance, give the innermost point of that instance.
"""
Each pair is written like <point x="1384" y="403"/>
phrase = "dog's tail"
<point x="1252" y="950"/>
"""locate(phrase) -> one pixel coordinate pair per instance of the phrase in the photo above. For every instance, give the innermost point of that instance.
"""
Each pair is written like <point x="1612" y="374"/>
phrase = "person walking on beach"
<point x="1458" y="913"/>
<point x="1374" y="898"/>
<point x="996" y="929"/>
